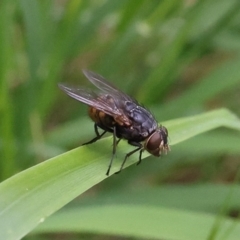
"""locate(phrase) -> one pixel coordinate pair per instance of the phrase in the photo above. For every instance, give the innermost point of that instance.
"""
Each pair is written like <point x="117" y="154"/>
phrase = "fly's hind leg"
<point x="97" y="137"/>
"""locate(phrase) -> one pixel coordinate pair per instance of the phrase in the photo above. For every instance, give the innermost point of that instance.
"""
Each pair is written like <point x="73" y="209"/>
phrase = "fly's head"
<point x="157" y="142"/>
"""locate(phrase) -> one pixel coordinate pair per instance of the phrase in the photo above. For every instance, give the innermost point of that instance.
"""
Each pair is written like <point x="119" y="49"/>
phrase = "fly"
<point x="114" y="111"/>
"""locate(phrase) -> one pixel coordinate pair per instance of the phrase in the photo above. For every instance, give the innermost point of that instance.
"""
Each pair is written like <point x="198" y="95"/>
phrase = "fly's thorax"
<point x="122" y="120"/>
<point x="157" y="142"/>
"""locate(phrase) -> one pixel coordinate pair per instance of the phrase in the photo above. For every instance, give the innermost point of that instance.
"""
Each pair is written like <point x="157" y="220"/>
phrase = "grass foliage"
<point x="180" y="58"/>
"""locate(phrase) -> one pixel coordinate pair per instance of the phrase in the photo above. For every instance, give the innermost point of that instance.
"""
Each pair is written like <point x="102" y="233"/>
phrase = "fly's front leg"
<point x="139" y="147"/>
<point x="137" y="144"/>
<point x="140" y="156"/>
<point x="97" y="137"/>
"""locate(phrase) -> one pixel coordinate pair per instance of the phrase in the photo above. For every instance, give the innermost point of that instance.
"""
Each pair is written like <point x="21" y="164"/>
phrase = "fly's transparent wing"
<point x="105" y="86"/>
<point x="102" y="102"/>
<point x="108" y="99"/>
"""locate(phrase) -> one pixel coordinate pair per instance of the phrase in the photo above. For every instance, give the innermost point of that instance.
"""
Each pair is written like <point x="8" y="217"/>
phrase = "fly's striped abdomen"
<point x="101" y="119"/>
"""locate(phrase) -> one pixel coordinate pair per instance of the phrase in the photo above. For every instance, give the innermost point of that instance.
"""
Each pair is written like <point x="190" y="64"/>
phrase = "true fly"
<point x="115" y="112"/>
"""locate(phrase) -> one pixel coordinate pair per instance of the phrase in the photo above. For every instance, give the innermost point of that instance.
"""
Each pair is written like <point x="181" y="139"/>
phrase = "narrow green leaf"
<point x="32" y="195"/>
<point x="225" y="77"/>
<point x="139" y="221"/>
<point x="208" y="198"/>
<point x="7" y="142"/>
<point x="184" y="128"/>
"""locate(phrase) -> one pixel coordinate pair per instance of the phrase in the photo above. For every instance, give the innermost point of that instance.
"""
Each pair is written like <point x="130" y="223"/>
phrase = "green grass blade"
<point x="217" y="142"/>
<point x="32" y="195"/>
<point x="139" y="221"/>
<point x="7" y="143"/>
<point x="34" y="35"/>
<point x="197" y="199"/>
<point x="174" y="58"/>
<point x="185" y="128"/>
<point x="208" y="198"/>
<point x="226" y="77"/>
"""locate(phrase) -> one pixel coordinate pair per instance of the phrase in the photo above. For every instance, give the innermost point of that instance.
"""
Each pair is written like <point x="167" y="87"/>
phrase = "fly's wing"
<point x="103" y="102"/>
<point x="109" y="99"/>
<point x="105" y="86"/>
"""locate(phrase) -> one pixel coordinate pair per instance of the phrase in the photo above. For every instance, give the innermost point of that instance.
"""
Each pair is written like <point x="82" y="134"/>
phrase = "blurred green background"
<point x="177" y="57"/>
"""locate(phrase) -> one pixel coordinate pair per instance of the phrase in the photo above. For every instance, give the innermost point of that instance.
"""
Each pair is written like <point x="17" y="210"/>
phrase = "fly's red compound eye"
<point x="157" y="142"/>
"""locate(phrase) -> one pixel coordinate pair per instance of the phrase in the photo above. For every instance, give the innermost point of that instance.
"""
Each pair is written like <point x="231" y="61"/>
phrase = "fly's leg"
<point x="115" y="142"/>
<point x="118" y="140"/>
<point x="97" y="137"/>
<point x="137" y="144"/>
<point x="140" y="156"/>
